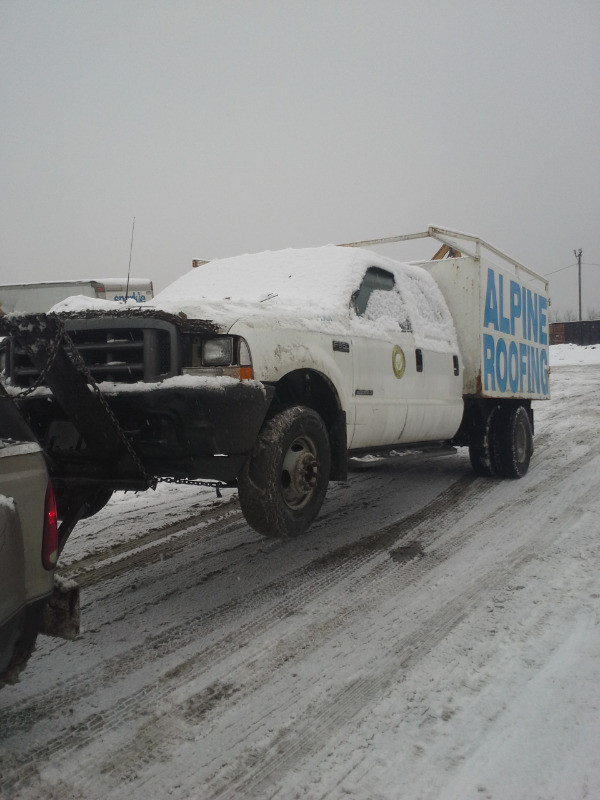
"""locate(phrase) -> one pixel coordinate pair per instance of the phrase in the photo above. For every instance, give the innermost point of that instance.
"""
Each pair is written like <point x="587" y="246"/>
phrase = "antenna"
<point x="130" y="252"/>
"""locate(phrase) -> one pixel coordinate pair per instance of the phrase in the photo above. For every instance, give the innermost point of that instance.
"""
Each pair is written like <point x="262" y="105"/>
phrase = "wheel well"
<point x="307" y="387"/>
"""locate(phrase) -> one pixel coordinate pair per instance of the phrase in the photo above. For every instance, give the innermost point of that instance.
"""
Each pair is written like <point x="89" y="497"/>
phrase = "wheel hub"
<point x="299" y="473"/>
<point x="304" y="477"/>
<point x="521" y="443"/>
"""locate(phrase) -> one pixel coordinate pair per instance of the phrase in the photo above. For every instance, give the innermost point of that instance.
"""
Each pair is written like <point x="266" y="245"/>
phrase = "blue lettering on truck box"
<point x="517" y="365"/>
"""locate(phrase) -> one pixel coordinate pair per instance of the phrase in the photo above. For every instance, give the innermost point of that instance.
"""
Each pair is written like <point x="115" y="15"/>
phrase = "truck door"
<point x="435" y="403"/>
<point x="381" y="361"/>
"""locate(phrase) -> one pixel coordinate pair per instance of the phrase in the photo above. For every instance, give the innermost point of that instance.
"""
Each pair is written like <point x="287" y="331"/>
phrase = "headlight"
<point x="221" y="356"/>
<point x="217" y="352"/>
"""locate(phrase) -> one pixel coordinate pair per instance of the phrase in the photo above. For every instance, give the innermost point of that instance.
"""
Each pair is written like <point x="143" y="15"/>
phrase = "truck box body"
<point x="36" y="298"/>
<point x="501" y="324"/>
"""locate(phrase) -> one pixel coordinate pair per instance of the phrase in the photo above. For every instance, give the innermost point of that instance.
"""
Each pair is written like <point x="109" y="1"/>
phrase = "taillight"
<point x="50" y="538"/>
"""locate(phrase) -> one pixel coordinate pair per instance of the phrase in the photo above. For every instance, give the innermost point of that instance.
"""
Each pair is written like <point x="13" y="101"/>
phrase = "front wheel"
<point x="283" y="483"/>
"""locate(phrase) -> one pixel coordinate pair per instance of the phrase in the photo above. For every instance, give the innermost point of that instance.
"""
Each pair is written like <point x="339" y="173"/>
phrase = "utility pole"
<point x="577" y="254"/>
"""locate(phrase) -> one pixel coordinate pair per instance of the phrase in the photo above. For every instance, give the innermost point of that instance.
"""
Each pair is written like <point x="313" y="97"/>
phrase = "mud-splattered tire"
<point x="482" y="447"/>
<point x="513" y="442"/>
<point x="283" y="483"/>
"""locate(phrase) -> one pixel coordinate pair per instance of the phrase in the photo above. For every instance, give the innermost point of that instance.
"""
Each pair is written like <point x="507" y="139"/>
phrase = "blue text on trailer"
<point x="515" y="351"/>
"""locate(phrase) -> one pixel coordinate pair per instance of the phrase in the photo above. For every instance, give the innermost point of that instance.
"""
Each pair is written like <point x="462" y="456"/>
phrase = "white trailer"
<point x="37" y="298"/>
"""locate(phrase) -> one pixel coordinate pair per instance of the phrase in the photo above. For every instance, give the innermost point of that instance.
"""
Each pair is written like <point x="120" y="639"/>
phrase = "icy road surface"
<point x="435" y="635"/>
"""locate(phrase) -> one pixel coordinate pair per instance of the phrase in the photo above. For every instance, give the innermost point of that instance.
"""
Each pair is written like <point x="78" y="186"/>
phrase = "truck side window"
<point x="379" y="298"/>
<point x="375" y="278"/>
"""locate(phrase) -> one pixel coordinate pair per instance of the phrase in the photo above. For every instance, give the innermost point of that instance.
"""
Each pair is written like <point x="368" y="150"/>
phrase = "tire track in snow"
<point x="171" y="640"/>
<point x="332" y="568"/>
<point x="283" y="751"/>
<point x="282" y="597"/>
<point x="150" y="547"/>
<point x="317" y="725"/>
<point x="228" y="689"/>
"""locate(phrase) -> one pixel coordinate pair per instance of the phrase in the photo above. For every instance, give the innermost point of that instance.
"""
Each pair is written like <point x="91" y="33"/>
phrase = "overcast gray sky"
<point x="232" y="127"/>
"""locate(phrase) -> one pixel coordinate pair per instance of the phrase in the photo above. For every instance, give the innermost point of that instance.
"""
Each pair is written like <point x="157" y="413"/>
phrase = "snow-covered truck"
<point x="270" y="371"/>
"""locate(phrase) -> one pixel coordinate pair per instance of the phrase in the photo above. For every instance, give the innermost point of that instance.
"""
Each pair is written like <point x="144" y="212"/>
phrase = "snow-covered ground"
<point x="434" y="635"/>
<point x="572" y="355"/>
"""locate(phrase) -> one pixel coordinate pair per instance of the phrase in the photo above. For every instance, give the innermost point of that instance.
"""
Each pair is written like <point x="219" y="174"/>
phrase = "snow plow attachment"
<point x="88" y="453"/>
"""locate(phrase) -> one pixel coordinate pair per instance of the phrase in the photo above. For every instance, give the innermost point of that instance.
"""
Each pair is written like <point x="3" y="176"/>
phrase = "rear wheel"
<point x="283" y="484"/>
<point x="482" y="445"/>
<point x="513" y="442"/>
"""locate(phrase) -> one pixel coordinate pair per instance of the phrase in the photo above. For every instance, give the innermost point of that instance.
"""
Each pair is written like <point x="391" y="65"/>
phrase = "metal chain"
<point x="217" y="485"/>
<point x="152" y="480"/>
<point x="83" y="368"/>
<point x="47" y="367"/>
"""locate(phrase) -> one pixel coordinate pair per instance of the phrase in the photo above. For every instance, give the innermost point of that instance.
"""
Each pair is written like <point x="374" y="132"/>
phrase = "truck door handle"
<point x="419" y="355"/>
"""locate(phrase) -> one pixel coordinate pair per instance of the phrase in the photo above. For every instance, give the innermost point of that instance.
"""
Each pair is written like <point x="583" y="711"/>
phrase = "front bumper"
<point x="203" y="431"/>
<point x="206" y="432"/>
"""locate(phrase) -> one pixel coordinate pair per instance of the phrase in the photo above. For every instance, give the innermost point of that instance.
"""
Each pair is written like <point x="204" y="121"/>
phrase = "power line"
<point x="575" y="263"/>
<point x="560" y="269"/>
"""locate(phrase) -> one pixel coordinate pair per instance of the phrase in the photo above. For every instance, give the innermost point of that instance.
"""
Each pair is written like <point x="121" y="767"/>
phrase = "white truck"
<point x="33" y="298"/>
<point x="269" y="371"/>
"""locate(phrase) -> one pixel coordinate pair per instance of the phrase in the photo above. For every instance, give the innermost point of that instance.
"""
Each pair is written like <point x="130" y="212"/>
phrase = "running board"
<point x="409" y="455"/>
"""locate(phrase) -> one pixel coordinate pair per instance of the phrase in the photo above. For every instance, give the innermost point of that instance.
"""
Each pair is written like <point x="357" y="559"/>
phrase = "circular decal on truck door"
<point x="398" y="361"/>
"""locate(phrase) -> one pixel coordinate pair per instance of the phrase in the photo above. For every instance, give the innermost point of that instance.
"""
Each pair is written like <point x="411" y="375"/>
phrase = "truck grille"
<point x="139" y="350"/>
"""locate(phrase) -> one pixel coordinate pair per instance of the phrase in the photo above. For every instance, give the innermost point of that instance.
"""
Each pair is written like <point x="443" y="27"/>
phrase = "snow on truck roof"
<point x="316" y="281"/>
<point x="325" y="274"/>
<point x="309" y="288"/>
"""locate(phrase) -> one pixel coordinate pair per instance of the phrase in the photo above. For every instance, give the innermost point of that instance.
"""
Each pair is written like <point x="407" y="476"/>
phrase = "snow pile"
<point x="7" y="502"/>
<point x="573" y="355"/>
<point x="212" y="383"/>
